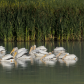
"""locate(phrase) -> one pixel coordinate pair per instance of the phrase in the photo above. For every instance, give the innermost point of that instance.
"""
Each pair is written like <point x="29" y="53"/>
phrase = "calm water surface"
<point x="58" y="72"/>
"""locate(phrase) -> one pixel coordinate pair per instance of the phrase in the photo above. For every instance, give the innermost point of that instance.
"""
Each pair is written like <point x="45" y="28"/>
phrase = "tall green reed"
<point x="41" y="20"/>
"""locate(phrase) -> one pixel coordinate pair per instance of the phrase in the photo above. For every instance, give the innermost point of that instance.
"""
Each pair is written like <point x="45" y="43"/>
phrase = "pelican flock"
<point x="36" y="54"/>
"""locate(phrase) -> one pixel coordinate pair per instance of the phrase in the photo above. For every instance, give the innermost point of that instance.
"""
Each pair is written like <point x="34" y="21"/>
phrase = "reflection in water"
<point x="21" y="63"/>
<point x="70" y="62"/>
<point x="7" y="65"/>
<point x="50" y="63"/>
<point x="24" y="63"/>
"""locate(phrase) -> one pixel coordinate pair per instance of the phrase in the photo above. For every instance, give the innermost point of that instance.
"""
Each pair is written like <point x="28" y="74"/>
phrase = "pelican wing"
<point x="59" y="48"/>
<point x="39" y="54"/>
<point x="20" y="50"/>
<point x="41" y="48"/>
<point x="25" y="58"/>
<point x="21" y="53"/>
<point x="8" y="56"/>
<point x="43" y="52"/>
<point x="35" y="51"/>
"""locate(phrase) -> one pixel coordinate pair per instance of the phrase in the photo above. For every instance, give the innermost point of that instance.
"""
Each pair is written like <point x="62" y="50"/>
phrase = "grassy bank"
<point x="30" y="20"/>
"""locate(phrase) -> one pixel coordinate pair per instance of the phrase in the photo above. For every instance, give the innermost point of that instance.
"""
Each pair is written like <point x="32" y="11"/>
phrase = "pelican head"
<point x="14" y="49"/>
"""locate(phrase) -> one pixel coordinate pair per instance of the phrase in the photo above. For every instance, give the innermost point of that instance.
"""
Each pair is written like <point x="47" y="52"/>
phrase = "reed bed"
<point x="40" y="20"/>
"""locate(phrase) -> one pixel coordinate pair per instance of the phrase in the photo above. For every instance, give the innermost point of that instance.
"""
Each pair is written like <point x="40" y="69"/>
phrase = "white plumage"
<point x="38" y="54"/>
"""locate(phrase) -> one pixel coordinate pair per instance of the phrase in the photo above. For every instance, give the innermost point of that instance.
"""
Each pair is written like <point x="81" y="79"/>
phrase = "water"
<point x="58" y="72"/>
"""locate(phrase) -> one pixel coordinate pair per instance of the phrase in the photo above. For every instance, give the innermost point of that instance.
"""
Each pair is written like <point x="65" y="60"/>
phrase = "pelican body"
<point x="7" y="58"/>
<point x="20" y="53"/>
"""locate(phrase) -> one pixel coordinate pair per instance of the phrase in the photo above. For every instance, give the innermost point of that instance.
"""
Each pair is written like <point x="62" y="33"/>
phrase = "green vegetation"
<point x="30" y="20"/>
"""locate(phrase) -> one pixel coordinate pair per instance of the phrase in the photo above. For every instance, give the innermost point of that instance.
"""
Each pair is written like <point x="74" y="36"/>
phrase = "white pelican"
<point x="67" y="56"/>
<point x="70" y="57"/>
<point x="9" y="57"/>
<point x="37" y="51"/>
<point x="17" y="50"/>
<point x="20" y="53"/>
<point x="2" y="51"/>
<point x="57" y="50"/>
<point x="41" y="48"/>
